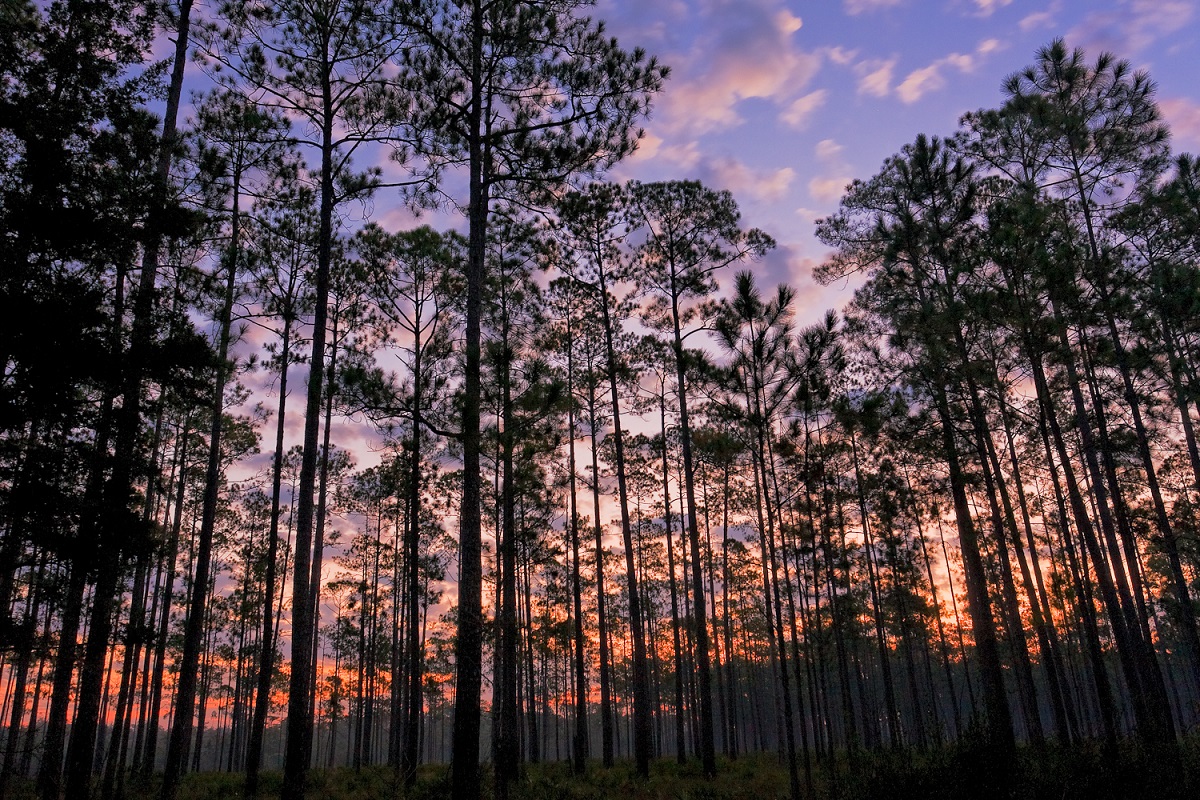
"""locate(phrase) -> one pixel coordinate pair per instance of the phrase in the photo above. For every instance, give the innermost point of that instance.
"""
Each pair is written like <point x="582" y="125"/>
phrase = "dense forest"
<point x="284" y="492"/>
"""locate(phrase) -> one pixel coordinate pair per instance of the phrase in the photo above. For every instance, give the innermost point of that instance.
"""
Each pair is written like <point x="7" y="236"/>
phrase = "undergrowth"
<point x="960" y="772"/>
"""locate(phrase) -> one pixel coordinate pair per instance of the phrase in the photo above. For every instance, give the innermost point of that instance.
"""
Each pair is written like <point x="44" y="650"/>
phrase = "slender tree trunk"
<point x="703" y="661"/>
<point x="321" y="514"/>
<point x="1008" y="592"/>
<point x="642" y="722"/>
<point x="266" y="652"/>
<point x="508" y="735"/>
<point x="50" y="769"/>
<point x="1035" y="589"/>
<point x="298" y="753"/>
<point x="892" y="717"/>
<point x="580" y="740"/>
<point x="468" y="648"/>
<point x="1138" y="661"/>
<point x="772" y="603"/>
<point x="149" y="757"/>
<point x="998" y="720"/>
<point x="937" y="607"/>
<point x="193" y="639"/>
<point x="731" y="735"/>
<point x="21" y="669"/>
<point x="412" y="553"/>
<point x="128" y="675"/>
<point x="1091" y="633"/>
<point x="680" y="740"/>
<point x="606" y="712"/>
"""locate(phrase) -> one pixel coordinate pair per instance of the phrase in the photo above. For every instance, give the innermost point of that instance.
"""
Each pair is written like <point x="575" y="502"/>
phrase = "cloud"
<point x="828" y="151"/>
<point x="799" y="113"/>
<point x="989" y="46"/>
<point x="793" y="263"/>
<point x="828" y="187"/>
<point x="750" y="52"/>
<point x="931" y="78"/>
<point x="989" y="7"/>
<point x="856" y="7"/>
<point x="921" y="82"/>
<point x="1038" y="19"/>
<point x="1132" y="26"/>
<point x="787" y="22"/>
<point x="1041" y="19"/>
<point x="644" y="23"/>
<point x="1183" y="117"/>
<point x="682" y="156"/>
<point x="784" y="264"/>
<point x="647" y="147"/>
<point x="808" y="215"/>
<point x="768" y="185"/>
<point x="875" y="77"/>
<point x="840" y="55"/>
<point x="685" y="155"/>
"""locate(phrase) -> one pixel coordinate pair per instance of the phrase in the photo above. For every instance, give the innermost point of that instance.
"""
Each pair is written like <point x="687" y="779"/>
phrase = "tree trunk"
<point x="606" y="713"/>
<point x="703" y="661"/>
<point x="193" y="638"/>
<point x="266" y="652"/>
<point x="468" y="647"/>
<point x="642" y="723"/>
<point x="579" y="749"/>
<point x="998" y="720"/>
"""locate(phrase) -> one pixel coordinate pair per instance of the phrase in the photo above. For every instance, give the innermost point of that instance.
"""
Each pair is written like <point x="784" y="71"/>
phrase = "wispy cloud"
<point x="856" y="7"/>
<point x="1036" y="20"/>
<point x="828" y="151"/>
<point x="985" y="8"/>
<point x="875" y="76"/>
<point x="799" y="113"/>
<point x="749" y="51"/>
<point x="684" y="155"/>
<point x="931" y="78"/>
<point x="840" y="55"/>
<point x="1046" y="18"/>
<point x="1183" y="117"/>
<point x="768" y="185"/>
<point x="921" y="82"/>
<point x="835" y="173"/>
<point x="1133" y="26"/>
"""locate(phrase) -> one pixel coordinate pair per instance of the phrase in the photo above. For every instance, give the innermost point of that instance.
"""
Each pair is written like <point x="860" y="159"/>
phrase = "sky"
<point x="784" y="102"/>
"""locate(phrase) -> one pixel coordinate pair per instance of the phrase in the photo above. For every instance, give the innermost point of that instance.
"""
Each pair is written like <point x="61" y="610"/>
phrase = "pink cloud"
<point x="750" y="54"/>
<point x="1183" y="117"/>
<point x="988" y="7"/>
<point x="931" y="78"/>
<point x="799" y="113"/>
<point x="1037" y="20"/>
<point x="768" y="185"/>
<point x="856" y="7"/>
<point x="840" y="55"/>
<point x="828" y="189"/>
<point x="875" y="77"/>
<point x="1131" y="27"/>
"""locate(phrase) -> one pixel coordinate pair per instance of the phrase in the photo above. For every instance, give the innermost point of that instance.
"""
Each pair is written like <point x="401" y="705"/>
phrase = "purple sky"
<point x="783" y="102"/>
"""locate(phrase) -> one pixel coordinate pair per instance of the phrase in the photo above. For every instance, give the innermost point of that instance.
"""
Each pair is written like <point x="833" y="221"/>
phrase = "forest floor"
<point x="1080" y="772"/>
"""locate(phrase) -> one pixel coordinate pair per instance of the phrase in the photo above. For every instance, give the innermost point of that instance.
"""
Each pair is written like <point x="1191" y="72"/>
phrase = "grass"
<point x="959" y="772"/>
